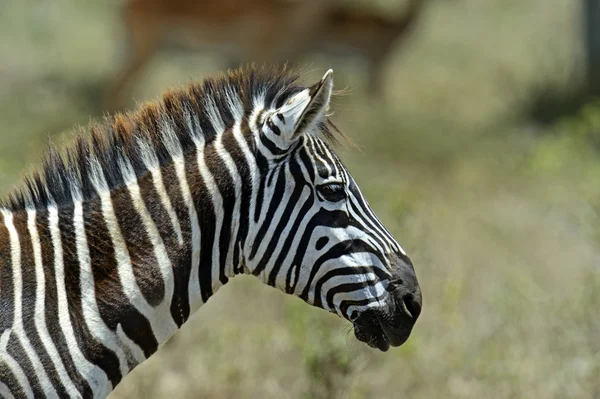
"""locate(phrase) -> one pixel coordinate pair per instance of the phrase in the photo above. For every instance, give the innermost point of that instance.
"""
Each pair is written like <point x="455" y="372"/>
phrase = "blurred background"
<point x="479" y="145"/>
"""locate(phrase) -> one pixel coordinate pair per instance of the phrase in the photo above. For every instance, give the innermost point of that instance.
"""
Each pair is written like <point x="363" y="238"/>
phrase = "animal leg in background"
<point x="143" y="36"/>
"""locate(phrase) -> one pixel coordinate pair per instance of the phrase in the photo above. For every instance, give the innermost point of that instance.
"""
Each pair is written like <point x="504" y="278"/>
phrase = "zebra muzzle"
<point x="391" y="323"/>
<point x="382" y="328"/>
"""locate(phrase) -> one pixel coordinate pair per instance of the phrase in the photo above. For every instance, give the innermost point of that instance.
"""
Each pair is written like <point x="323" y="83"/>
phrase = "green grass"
<point x="499" y="216"/>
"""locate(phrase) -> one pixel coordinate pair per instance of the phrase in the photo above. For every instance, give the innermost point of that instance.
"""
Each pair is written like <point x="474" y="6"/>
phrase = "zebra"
<point x="108" y="249"/>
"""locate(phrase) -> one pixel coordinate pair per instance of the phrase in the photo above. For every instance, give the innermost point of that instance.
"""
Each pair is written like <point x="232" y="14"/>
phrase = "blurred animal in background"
<point x="256" y="30"/>
<point x="263" y="31"/>
<point x="368" y="36"/>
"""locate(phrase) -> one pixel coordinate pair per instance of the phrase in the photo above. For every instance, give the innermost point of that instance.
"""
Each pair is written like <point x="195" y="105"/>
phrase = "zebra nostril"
<point x="353" y="315"/>
<point x="394" y="284"/>
<point x="412" y="306"/>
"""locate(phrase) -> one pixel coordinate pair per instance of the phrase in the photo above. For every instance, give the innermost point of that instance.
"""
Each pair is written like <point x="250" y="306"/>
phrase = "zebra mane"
<point x="204" y="109"/>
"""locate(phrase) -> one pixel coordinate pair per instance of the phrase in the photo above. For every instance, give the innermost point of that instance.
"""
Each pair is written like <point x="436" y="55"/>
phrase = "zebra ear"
<point x="304" y="110"/>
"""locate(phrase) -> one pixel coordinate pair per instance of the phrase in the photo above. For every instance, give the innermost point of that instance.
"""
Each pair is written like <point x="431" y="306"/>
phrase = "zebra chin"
<point x="389" y="325"/>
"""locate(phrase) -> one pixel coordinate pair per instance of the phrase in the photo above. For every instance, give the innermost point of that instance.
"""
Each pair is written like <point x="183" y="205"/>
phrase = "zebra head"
<point x="314" y="234"/>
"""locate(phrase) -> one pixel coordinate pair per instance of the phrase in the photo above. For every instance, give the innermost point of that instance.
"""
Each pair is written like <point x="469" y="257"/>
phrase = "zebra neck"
<point x="172" y="236"/>
<point x="118" y="274"/>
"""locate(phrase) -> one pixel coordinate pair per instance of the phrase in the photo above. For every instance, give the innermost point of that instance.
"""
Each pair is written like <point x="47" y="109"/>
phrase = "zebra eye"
<point x="332" y="192"/>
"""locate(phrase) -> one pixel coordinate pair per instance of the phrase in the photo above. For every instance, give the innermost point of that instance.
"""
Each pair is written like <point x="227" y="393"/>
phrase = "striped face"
<point x="315" y="235"/>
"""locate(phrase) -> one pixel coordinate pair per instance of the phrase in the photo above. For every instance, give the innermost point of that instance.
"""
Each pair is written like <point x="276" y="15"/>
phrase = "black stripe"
<point x="344" y="305"/>
<point x="92" y="349"/>
<point x="306" y="160"/>
<point x="262" y="169"/>
<point x="181" y="257"/>
<point x="271" y="146"/>
<point x="205" y="125"/>
<point x="113" y="305"/>
<point x="141" y="251"/>
<point x="274" y="128"/>
<point x="226" y="188"/>
<point x="243" y="171"/>
<point x="207" y="221"/>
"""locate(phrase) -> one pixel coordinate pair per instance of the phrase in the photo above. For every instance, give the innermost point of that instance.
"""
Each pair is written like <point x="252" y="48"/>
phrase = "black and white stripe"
<point x="107" y="252"/>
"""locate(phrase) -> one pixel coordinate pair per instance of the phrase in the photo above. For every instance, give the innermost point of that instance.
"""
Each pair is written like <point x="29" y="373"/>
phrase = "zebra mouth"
<point x="380" y="331"/>
<point x="378" y="340"/>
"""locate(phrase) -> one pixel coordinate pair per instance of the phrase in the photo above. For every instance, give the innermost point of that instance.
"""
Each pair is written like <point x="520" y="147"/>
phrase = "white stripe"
<point x="151" y="162"/>
<point x="217" y="202"/>
<point x="253" y="121"/>
<point x="165" y="325"/>
<point x="19" y="330"/>
<point x="214" y="117"/>
<point x="253" y="169"/>
<point x="235" y="104"/>
<point x="5" y="392"/>
<point x="179" y="163"/>
<point x="14" y="366"/>
<point x="40" y="306"/>
<point x="89" y="305"/>
<point x="292" y="273"/>
<point x="94" y="375"/>
<point x="166" y="201"/>
<point x="237" y="184"/>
